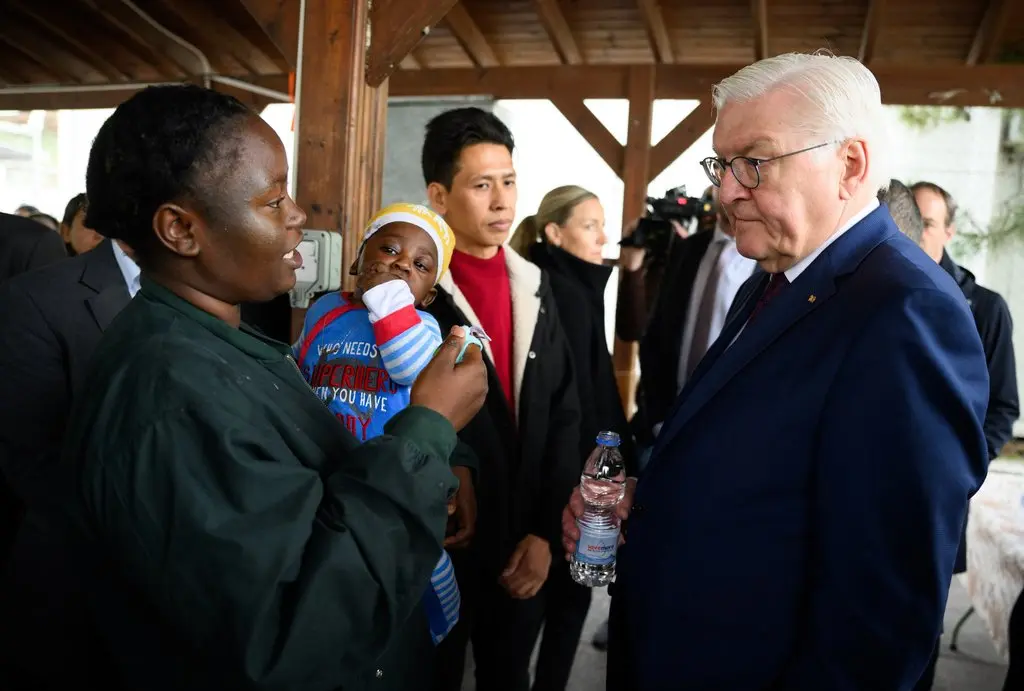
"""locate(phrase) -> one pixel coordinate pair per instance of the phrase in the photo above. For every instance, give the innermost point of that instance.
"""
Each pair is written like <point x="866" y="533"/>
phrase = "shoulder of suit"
<point x="52" y="279"/>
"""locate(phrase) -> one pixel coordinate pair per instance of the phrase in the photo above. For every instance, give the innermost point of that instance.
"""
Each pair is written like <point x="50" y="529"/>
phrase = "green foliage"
<point x="924" y="118"/>
<point x="1004" y="231"/>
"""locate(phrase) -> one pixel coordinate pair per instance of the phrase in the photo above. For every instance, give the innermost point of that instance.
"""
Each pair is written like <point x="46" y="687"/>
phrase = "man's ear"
<point x="429" y="297"/>
<point x="178" y="229"/>
<point x="438" y="197"/>
<point x="855" y="160"/>
<point x="950" y="231"/>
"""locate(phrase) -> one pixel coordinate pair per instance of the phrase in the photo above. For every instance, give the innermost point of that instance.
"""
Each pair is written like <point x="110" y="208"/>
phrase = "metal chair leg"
<point x="959" y="625"/>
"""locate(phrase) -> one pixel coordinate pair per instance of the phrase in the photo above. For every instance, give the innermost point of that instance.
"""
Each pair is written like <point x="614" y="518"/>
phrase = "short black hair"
<point x="903" y="209"/>
<point x="159" y="146"/>
<point x="78" y="202"/>
<point x="947" y="198"/>
<point x="451" y="132"/>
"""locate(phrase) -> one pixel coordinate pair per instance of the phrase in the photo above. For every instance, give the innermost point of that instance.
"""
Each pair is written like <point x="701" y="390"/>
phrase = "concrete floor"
<point x="974" y="667"/>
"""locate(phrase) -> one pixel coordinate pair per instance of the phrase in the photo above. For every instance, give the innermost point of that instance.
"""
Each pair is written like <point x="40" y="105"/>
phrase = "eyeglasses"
<point x="745" y="169"/>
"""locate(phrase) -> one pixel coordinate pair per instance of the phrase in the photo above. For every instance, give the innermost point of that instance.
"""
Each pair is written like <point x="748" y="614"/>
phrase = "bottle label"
<point x="597" y="547"/>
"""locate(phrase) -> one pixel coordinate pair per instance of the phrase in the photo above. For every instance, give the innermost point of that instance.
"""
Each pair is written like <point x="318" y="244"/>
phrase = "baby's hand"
<point x="374" y="279"/>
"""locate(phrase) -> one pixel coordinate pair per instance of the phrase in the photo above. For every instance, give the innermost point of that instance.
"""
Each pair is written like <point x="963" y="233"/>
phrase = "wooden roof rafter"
<point x="466" y="31"/>
<point x="557" y="29"/>
<point x="759" y="14"/>
<point x="986" y="41"/>
<point x="657" y="33"/>
<point x="872" y="28"/>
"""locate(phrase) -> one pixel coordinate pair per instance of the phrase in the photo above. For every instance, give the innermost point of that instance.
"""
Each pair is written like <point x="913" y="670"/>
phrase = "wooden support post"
<point x="635" y="171"/>
<point x="341" y="127"/>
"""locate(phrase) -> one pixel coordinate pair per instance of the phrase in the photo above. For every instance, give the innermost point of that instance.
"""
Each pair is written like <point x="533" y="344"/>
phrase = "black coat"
<point x="578" y="287"/>
<point x="995" y="326"/>
<point x="662" y="341"/>
<point x="529" y="458"/>
<point x="52" y="319"/>
<point x="26" y="245"/>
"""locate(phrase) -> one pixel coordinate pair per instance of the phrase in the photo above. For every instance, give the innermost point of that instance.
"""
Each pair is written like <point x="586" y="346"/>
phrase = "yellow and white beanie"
<point x="421" y="217"/>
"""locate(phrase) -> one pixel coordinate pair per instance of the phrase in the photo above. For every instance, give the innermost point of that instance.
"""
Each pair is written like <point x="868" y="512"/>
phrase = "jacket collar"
<point x="102" y="275"/>
<point x="812" y="289"/>
<point x="525" y="286"/>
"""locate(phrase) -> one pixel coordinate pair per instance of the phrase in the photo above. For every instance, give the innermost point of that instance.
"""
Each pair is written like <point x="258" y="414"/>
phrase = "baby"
<point x="362" y="351"/>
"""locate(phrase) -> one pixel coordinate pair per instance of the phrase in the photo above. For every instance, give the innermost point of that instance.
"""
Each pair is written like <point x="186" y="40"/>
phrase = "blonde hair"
<point x="556" y="207"/>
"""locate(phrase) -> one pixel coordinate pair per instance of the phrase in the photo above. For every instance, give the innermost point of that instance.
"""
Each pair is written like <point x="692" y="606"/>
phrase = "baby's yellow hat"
<point x="421" y="217"/>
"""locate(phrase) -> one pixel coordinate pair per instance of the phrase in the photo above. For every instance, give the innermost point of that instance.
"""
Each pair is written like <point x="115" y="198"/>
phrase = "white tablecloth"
<point x="995" y="548"/>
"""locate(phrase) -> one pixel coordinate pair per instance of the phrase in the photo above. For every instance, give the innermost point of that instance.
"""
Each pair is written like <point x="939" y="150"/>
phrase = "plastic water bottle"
<point x="603" y="485"/>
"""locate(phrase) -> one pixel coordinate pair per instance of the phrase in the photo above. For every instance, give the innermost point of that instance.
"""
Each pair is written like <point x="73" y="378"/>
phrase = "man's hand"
<point x="462" y="510"/>
<point x="455" y="391"/>
<point x="571" y="532"/>
<point x="527" y="568"/>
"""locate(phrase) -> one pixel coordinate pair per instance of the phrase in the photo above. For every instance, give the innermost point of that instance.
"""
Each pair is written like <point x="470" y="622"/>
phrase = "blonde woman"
<point x="566" y="238"/>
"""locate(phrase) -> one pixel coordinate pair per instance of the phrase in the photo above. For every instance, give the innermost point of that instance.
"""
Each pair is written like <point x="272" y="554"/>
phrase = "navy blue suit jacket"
<point x="798" y="521"/>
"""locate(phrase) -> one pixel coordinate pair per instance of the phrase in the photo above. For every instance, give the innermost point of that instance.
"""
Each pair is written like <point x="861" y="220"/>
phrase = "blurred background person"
<point x="566" y="239"/>
<point x="903" y="209"/>
<point x="78" y="238"/>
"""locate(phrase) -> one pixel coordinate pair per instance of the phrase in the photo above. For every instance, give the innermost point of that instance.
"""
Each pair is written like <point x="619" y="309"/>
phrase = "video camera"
<point x="654" y="231"/>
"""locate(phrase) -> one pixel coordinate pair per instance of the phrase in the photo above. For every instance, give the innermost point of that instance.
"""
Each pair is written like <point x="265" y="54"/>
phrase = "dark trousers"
<point x="928" y="676"/>
<point x="620" y="675"/>
<point x="1015" y="674"/>
<point x="503" y="632"/>
<point x="565" y="609"/>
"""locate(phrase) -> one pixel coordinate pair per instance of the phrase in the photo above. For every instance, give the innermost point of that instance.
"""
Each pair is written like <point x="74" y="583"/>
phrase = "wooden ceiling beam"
<point x="44" y="61"/>
<point x="396" y="28"/>
<point x="657" y="33"/>
<point x="469" y="36"/>
<point x="592" y="130"/>
<point x="557" y="28"/>
<point x="68" y="42"/>
<point x="759" y="14"/>
<point x="279" y="20"/>
<point x="174" y="60"/>
<point x="681" y="137"/>
<point x="872" y="27"/>
<point x="908" y="85"/>
<point x="410" y="62"/>
<point x="988" y="37"/>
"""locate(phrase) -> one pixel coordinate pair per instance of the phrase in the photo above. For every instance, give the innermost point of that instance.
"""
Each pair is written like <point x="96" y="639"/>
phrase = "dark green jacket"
<point x="234" y="535"/>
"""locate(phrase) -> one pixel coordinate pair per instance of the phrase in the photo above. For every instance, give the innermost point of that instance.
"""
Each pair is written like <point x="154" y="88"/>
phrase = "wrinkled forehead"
<point x="763" y="126"/>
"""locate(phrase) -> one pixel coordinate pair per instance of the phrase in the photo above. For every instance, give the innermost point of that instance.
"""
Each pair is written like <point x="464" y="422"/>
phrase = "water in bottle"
<point x="603" y="485"/>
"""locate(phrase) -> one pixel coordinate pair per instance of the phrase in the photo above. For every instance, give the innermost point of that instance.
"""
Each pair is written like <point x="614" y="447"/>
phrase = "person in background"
<point x="228" y="532"/>
<point x="46" y="220"/>
<point x="995" y="326"/>
<point x="78" y="239"/>
<point x="903" y="208"/>
<point x="526" y="437"/>
<point x="566" y="239"/>
<point x="26" y="245"/>
<point x="26" y="210"/>
<point x="797" y="524"/>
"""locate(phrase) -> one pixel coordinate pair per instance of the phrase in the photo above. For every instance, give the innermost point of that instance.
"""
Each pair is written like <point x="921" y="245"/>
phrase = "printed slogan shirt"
<point x="363" y="369"/>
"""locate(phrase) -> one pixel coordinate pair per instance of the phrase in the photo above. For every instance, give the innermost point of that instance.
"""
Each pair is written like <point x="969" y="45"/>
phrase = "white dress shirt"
<point x="129" y="269"/>
<point x="735" y="269"/>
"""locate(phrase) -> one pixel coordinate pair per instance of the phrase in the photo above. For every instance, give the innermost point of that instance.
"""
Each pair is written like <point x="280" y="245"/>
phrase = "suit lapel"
<point x="811" y="289"/>
<point x="103" y="275"/>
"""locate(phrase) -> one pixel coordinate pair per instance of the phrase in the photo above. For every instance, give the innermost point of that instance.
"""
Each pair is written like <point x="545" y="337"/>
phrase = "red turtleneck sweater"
<point x="485" y="284"/>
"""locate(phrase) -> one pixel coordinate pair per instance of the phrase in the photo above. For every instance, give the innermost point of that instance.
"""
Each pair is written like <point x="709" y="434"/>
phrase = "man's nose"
<point x="731" y="190"/>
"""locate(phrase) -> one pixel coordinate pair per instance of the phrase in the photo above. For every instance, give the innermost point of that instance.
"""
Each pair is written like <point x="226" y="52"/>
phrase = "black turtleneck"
<point x="578" y="287"/>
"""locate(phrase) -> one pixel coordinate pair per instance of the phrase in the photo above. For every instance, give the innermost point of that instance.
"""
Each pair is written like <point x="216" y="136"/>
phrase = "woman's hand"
<point x="454" y="391"/>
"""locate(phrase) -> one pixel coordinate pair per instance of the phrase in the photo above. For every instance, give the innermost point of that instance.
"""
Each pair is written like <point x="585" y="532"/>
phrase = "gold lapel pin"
<point x="811" y="298"/>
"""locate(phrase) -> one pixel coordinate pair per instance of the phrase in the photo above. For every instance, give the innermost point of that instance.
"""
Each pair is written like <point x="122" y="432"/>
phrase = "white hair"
<point x="843" y="95"/>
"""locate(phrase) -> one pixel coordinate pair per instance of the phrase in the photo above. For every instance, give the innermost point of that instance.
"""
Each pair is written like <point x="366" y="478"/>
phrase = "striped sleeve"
<point x="406" y="337"/>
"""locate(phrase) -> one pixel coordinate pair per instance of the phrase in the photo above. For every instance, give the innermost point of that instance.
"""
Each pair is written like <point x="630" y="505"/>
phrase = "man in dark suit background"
<point x="26" y="245"/>
<point x="701" y="279"/>
<point x="797" y="523"/>
<point x="53" y="318"/>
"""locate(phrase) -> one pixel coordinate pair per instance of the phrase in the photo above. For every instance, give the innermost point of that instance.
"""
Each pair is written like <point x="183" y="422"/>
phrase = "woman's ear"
<point x="178" y="229"/>
<point x="553" y="234"/>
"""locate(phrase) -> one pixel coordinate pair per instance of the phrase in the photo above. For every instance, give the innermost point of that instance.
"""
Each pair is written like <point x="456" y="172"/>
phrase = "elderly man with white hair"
<point x="796" y="526"/>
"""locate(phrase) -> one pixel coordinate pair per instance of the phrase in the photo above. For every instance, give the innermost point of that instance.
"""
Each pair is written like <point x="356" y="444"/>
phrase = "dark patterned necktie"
<point x="775" y="285"/>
